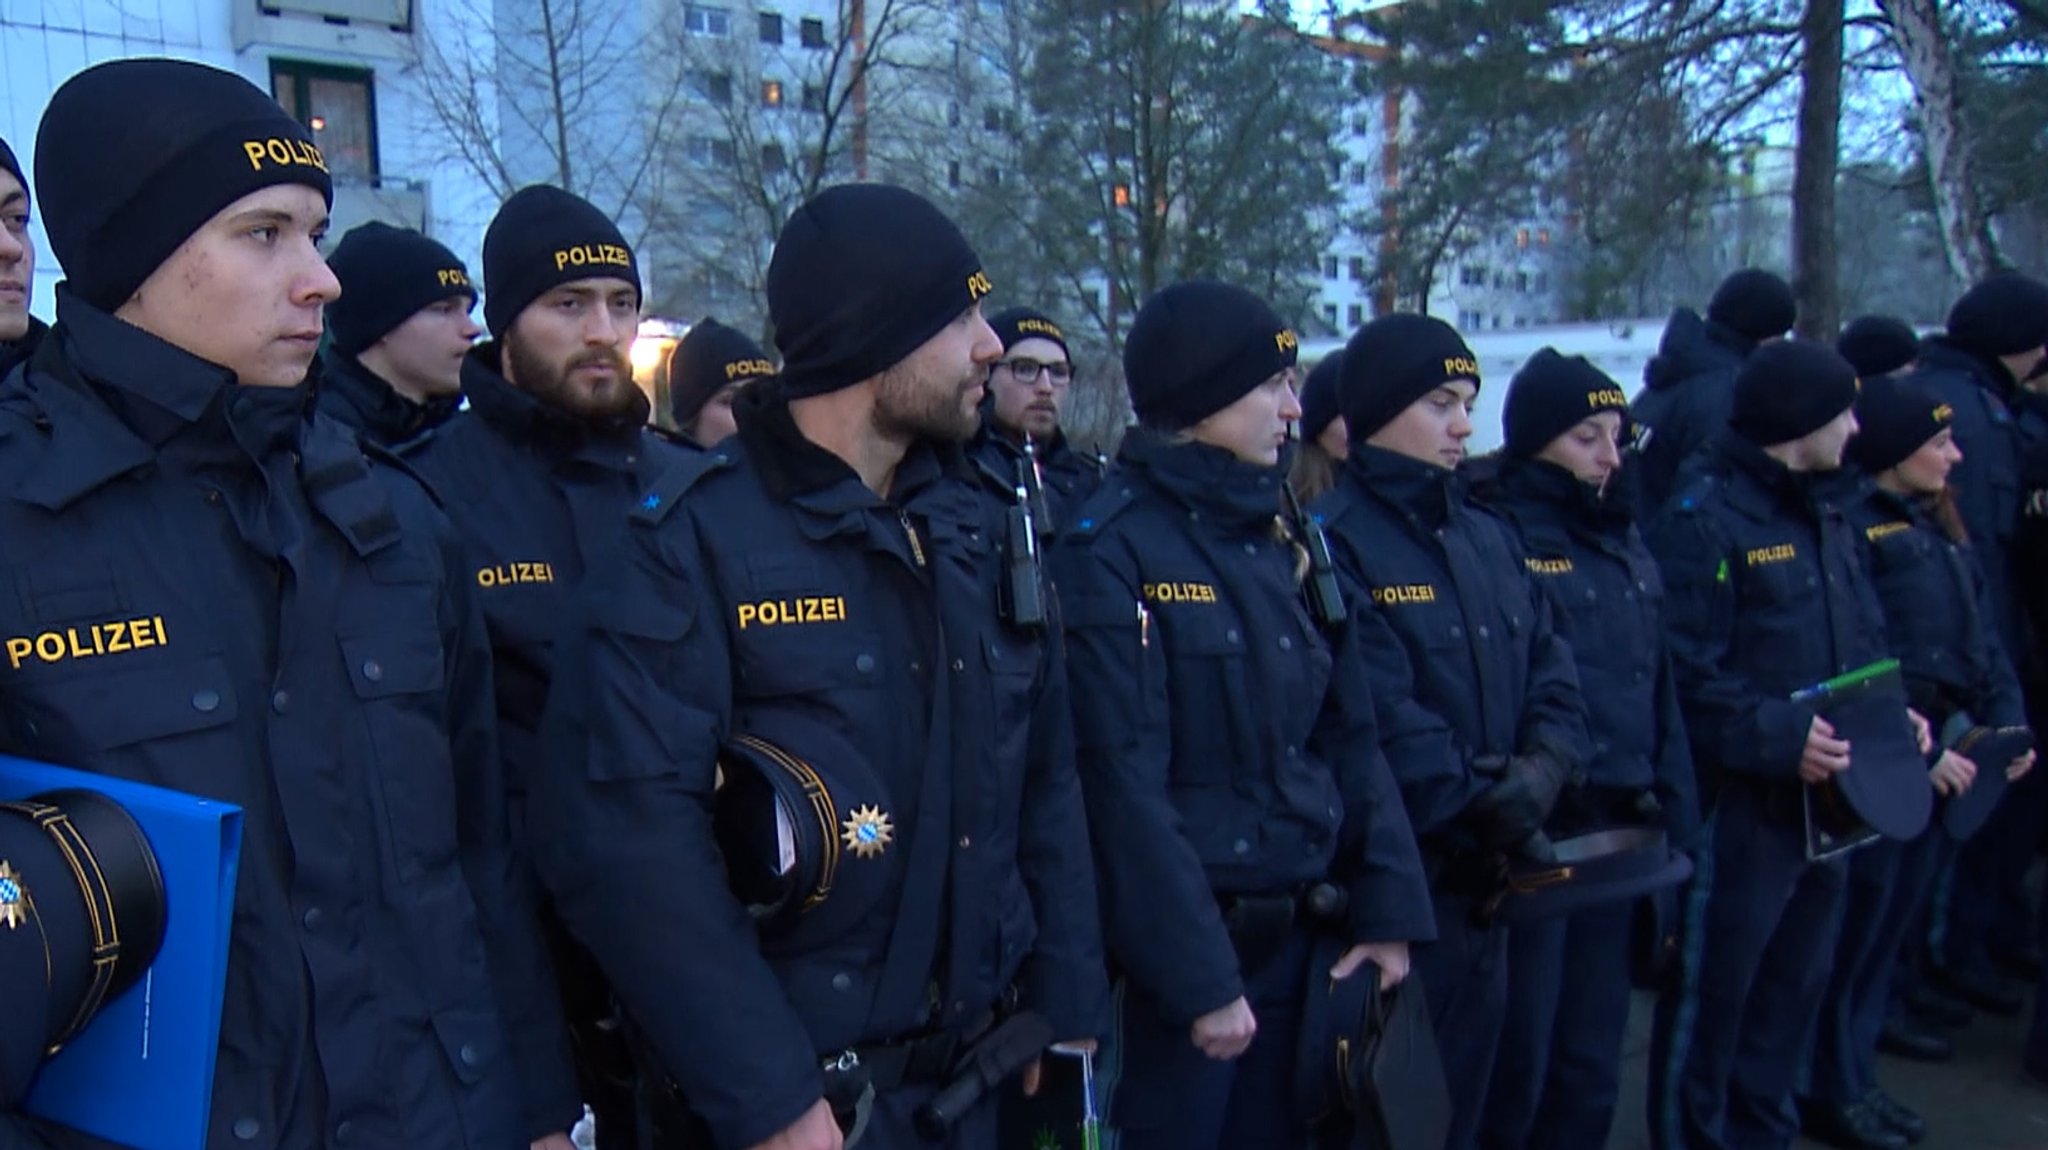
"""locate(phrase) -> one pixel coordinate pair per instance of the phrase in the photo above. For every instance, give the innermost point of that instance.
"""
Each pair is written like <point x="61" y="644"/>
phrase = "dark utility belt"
<point x="1258" y="923"/>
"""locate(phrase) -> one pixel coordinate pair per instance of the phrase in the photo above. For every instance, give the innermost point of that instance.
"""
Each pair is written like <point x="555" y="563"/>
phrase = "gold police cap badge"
<point x="14" y="900"/>
<point x="868" y="832"/>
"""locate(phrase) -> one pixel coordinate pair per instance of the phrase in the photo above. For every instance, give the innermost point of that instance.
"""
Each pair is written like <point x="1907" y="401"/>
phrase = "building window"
<point x="812" y="31"/>
<point x="1330" y="270"/>
<point x="1358" y="270"/>
<point x="709" y="150"/>
<point x="814" y="98"/>
<point x="993" y="177"/>
<point x="339" y="105"/>
<point x="703" y="20"/>
<point x="1330" y="314"/>
<point x="953" y="114"/>
<point x="771" y="27"/>
<point x="773" y="161"/>
<point x="1522" y="282"/>
<point x="771" y="93"/>
<point x="1472" y="275"/>
<point x="1358" y="175"/>
<point x="1120" y="195"/>
<point x="713" y="86"/>
<point x="1522" y="238"/>
<point x="1542" y="237"/>
<point x="1356" y="314"/>
<point x="953" y="174"/>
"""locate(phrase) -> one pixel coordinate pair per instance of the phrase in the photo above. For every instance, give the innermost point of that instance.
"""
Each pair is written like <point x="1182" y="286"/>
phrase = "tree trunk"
<point x="1816" y="279"/>
<point x="1965" y="232"/>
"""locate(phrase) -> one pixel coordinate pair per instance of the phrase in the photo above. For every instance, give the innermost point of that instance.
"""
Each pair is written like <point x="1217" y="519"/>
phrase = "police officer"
<point x="1472" y="647"/>
<point x="1228" y="749"/>
<point x="1994" y="339"/>
<point x="1938" y="627"/>
<point x="1687" y="387"/>
<point x="537" y="474"/>
<point x="1324" y="441"/>
<point x="1028" y="390"/>
<point x="398" y="334"/>
<point x="228" y="599"/>
<point x="1879" y="345"/>
<point x="1557" y="1079"/>
<point x="1767" y="595"/>
<point x="848" y="617"/>
<point x="19" y="331"/>
<point x="706" y="372"/>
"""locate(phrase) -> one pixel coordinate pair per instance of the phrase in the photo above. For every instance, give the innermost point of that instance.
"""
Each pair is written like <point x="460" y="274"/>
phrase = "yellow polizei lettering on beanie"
<point x="1041" y="327"/>
<point x="1458" y="365"/>
<point x="748" y="368"/>
<point x="1286" y="341"/>
<point x="1608" y="397"/>
<point x="1944" y="413"/>
<point x="277" y="152"/>
<point x="590" y="255"/>
<point x="978" y="285"/>
<point x="452" y="277"/>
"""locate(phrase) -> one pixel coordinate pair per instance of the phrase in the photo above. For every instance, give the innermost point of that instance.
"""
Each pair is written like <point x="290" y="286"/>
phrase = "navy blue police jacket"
<point x="356" y="396"/>
<point x="1607" y="599"/>
<point x="14" y="353"/>
<point x="1766" y="594"/>
<point x="1226" y="744"/>
<point x="763" y="589"/>
<point x="2001" y="460"/>
<point x="224" y="598"/>
<point x="1937" y="613"/>
<point x="1067" y="477"/>
<point x="1466" y="661"/>
<point x="536" y="496"/>
<point x="1688" y="390"/>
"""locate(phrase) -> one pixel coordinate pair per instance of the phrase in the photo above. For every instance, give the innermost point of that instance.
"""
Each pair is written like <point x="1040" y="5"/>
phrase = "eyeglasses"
<point x="1026" y="370"/>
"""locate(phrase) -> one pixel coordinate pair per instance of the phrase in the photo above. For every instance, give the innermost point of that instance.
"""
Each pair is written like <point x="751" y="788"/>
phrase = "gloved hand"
<point x="1509" y="815"/>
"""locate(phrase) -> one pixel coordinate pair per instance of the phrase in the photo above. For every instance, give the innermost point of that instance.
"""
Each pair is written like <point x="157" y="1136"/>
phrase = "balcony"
<point x="400" y="203"/>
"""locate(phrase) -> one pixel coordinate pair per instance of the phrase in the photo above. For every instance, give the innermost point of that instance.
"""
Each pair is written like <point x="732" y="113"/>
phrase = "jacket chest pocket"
<point x="796" y="632"/>
<point x="1208" y="689"/>
<point x="397" y="673"/>
<point x="178" y="716"/>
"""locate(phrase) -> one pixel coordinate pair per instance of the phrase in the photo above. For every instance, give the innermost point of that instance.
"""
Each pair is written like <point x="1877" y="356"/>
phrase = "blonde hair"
<point x="1314" y="471"/>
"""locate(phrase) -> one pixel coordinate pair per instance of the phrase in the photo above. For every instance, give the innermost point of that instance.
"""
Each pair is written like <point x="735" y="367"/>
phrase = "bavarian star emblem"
<point x="14" y="902"/>
<point x="867" y="832"/>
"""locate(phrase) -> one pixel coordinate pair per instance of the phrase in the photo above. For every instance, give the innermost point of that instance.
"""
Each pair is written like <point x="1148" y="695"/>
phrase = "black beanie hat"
<point x="12" y="166"/>
<point x="711" y="357"/>
<point x="1754" y="304"/>
<point x="1787" y="391"/>
<point x="1393" y="361"/>
<point x="1015" y="325"/>
<point x="2005" y="314"/>
<point x="541" y="239"/>
<point x="863" y="275"/>
<point x="1878" y="344"/>
<point x="1197" y="347"/>
<point x="1319" y="395"/>
<point x="1550" y="395"/>
<point x="134" y="156"/>
<point x="387" y="274"/>
<point x="1895" y="418"/>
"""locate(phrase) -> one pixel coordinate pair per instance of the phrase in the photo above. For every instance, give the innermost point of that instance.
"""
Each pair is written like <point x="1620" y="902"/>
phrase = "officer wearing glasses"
<point x="1027" y="394"/>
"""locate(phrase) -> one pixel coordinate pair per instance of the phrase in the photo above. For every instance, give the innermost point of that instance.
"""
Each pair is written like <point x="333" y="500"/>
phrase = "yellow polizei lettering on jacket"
<point x="1178" y="592"/>
<point x="1406" y="593"/>
<point x="1763" y="556"/>
<point x="1886" y="530"/>
<point x="508" y="574"/>
<point x="115" y="637"/>
<point x="798" y="612"/>
<point x="1550" y="566"/>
